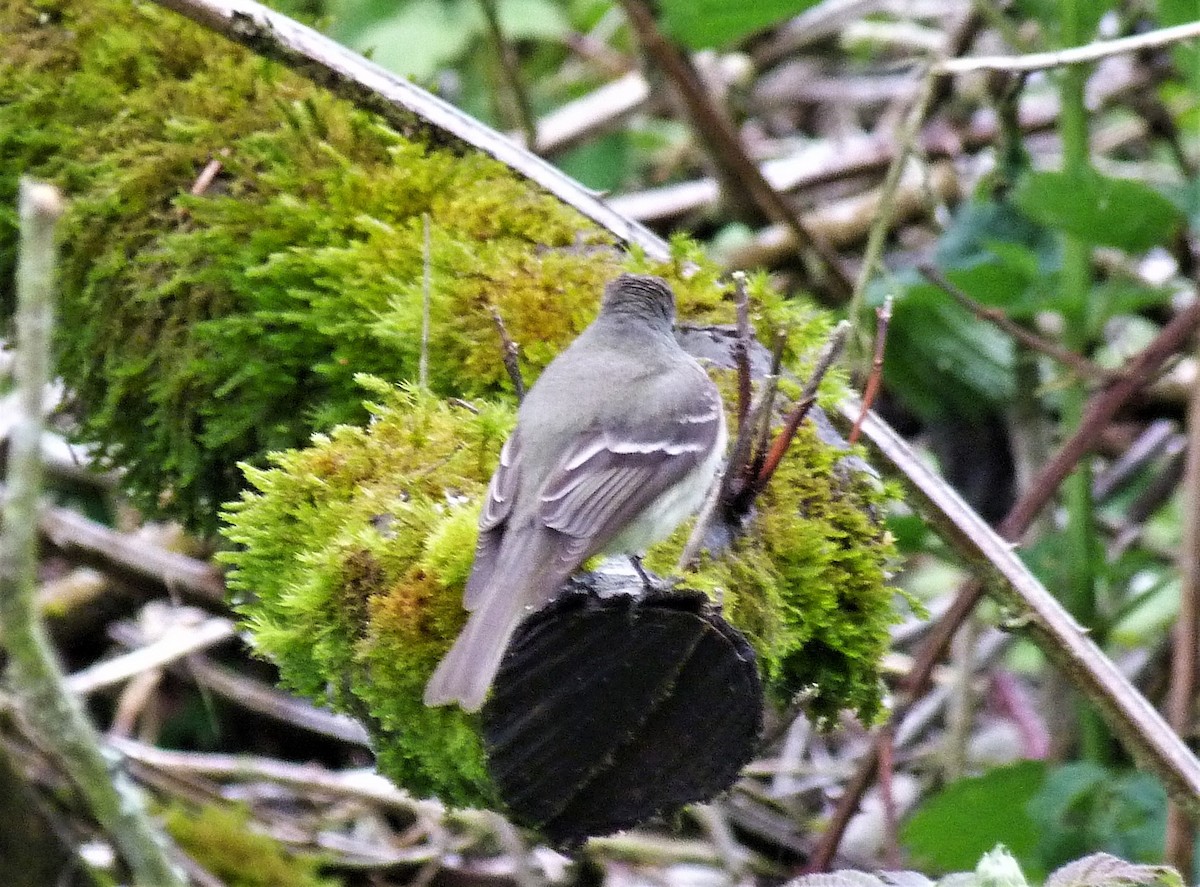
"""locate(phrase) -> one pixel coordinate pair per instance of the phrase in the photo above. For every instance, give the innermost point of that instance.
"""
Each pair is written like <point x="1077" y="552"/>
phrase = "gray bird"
<point x="616" y="444"/>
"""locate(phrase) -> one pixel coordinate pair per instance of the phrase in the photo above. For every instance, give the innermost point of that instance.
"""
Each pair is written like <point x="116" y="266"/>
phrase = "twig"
<point x="426" y="295"/>
<point x="716" y="130"/>
<point x="1135" y="722"/>
<point x="264" y="699"/>
<point x="741" y="348"/>
<point x="808" y="396"/>
<point x="1077" y="362"/>
<point x="511" y="354"/>
<point x="1181" y="691"/>
<point x="1076" y="55"/>
<point x="590" y="114"/>
<point x="510" y="69"/>
<point x="1041" y="489"/>
<point x="45" y="702"/>
<point x="883" y="317"/>
<point x="109" y="550"/>
<point x="206" y="177"/>
<point x="179" y="641"/>
<point x="355" y="784"/>
<point x="366" y="84"/>
<point x="906" y="139"/>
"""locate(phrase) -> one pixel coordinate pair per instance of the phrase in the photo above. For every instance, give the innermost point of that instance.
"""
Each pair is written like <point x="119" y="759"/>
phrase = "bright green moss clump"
<point x="219" y="837"/>
<point x="200" y="331"/>
<point x="356" y="550"/>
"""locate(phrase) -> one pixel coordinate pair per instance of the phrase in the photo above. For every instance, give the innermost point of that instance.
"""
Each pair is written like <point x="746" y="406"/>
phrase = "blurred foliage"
<point x="1046" y="814"/>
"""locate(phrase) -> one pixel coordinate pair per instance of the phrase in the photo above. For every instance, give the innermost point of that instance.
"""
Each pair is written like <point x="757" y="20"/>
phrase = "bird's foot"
<point x="649" y="581"/>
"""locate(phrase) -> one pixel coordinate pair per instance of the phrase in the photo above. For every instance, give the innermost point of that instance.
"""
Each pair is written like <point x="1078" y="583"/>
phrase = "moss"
<point x="357" y="549"/>
<point x="200" y="331"/>
<point x="220" y="839"/>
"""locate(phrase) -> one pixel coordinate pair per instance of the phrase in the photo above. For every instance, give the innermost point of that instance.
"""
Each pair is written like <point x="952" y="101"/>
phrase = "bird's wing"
<point x="496" y="507"/>
<point x="611" y="475"/>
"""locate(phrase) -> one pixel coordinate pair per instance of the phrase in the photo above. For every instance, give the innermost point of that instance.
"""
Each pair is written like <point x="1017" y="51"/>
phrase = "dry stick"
<point x="715" y="129"/>
<point x="1098" y="414"/>
<point x="96" y="544"/>
<point x="1078" y="55"/>
<point x="426" y="295"/>
<point x="1076" y="362"/>
<point x="33" y="672"/>
<point x="511" y="71"/>
<point x="405" y="106"/>
<point x="883" y="317"/>
<point x="1181" y="692"/>
<point x="511" y="354"/>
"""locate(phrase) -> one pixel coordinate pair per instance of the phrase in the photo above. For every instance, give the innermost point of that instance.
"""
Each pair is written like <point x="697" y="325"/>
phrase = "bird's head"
<point x="643" y="297"/>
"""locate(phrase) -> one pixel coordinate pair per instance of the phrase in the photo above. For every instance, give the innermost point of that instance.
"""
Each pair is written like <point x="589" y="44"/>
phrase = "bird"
<point x="617" y="443"/>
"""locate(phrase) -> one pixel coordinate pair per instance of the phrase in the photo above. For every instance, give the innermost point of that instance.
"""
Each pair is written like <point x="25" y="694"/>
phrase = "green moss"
<point x="220" y="839"/>
<point x="200" y="331"/>
<point x="357" y="548"/>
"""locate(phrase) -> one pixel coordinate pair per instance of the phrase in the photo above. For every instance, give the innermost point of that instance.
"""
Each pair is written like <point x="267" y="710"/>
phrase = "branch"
<point x="1140" y="728"/>
<point x="402" y="104"/>
<point x="46" y="704"/>
<point x="1076" y="55"/>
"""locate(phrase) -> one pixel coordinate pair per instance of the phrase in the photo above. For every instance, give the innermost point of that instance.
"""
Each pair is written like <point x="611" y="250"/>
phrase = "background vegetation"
<point x="1065" y="201"/>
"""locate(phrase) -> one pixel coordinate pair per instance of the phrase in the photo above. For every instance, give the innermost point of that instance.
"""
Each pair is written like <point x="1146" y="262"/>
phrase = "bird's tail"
<point x="466" y="672"/>
<point x="523" y="580"/>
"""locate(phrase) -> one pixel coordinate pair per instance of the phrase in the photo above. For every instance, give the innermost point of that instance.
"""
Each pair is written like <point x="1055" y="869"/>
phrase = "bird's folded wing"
<point x="496" y="508"/>
<point x="611" y="475"/>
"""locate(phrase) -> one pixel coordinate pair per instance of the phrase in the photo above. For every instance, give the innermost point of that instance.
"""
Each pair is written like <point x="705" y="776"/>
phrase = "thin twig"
<point x="808" y="396"/>
<point x="510" y="68"/>
<point x="883" y="320"/>
<point x="713" y="126"/>
<point x="426" y="295"/>
<point x="1076" y="55"/>
<point x="59" y="720"/>
<point x="275" y="36"/>
<point x="1076" y="362"/>
<point x="206" y="177"/>
<point x="741" y="348"/>
<point x="511" y="354"/>
<point x="906" y="140"/>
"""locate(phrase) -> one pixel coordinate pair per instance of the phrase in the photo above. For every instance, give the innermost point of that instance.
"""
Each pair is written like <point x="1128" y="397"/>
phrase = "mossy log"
<point x="246" y="325"/>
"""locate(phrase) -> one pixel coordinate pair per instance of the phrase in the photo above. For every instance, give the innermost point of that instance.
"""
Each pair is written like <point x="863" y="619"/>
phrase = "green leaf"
<point x="1099" y="209"/>
<point x="1083" y="807"/>
<point x="952" y="830"/>
<point x="702" y="24"/>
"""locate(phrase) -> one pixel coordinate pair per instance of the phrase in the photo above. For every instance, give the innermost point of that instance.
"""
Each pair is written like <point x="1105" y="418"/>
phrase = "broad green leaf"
<point x="701" y="24"/>
<point x="1099" y="209"/>
<point x="942" y="360"/>
<point x="952" y="830"/>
